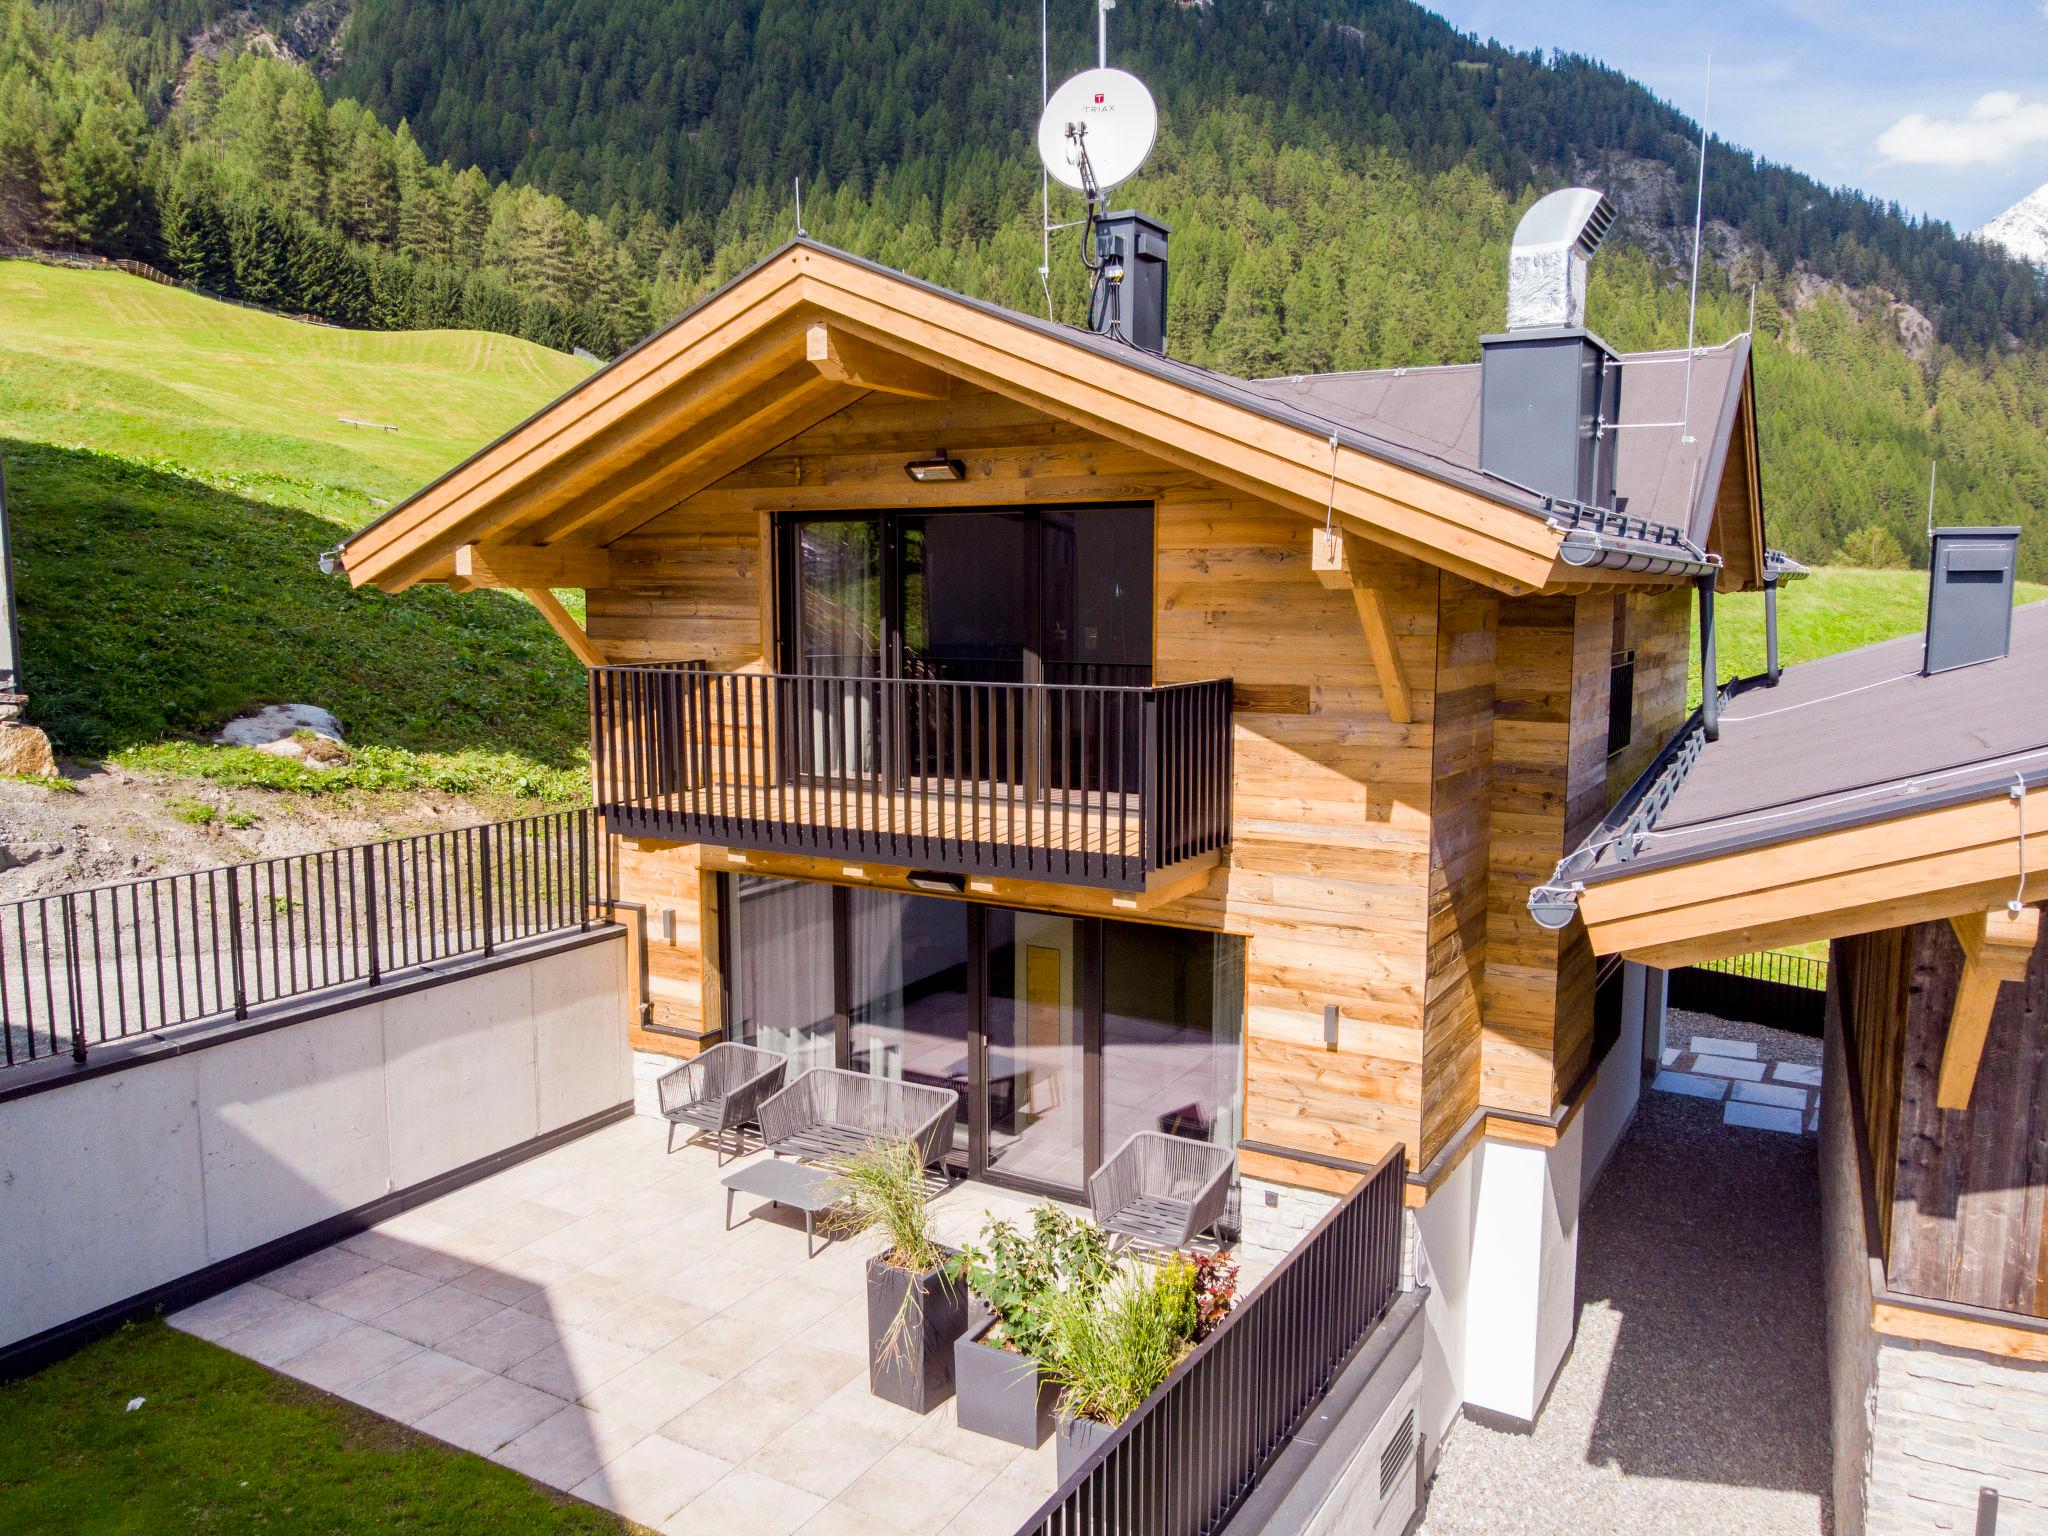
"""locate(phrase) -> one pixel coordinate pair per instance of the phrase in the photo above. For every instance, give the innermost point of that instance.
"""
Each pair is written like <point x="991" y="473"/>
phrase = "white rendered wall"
<point x="121" y="1182"/>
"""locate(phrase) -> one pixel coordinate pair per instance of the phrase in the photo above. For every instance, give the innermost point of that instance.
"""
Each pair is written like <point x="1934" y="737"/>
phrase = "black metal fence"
<point x="1085" y="783"/>
<point x="1184" y="1462"/>
<point x="82" y="968"/>
<point x="1778" y="987"/>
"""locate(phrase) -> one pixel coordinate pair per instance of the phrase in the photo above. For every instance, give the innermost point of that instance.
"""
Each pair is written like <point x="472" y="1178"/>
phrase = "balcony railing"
<point x="1118" y="787"/>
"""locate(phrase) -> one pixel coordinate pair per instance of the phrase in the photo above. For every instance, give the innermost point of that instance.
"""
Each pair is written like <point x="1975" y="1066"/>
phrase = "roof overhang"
<point x="747" y="370"/>
<point x="1927" y="862"/>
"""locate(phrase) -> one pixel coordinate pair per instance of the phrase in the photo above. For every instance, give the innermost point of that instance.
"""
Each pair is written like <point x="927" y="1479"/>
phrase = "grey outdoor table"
<point x="796" y="1185"/>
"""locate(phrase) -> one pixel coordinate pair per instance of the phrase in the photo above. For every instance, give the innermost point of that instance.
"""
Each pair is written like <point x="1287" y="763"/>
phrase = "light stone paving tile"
<point x="843" y="1330"/>
<point x="407" y="1254"/>
<point x="650" y="1394"/>
<point x="821" y="1455"/>
<point x="1764" y="1117"/>
<point x="512" y="1279"/>
<point x="649" y="1321"/>
<point x="733" y="1422"/>
<point x="717" y="1282"/>
<point x="1784" y="1095"/>
<point x="501" y="1340"/>
<point x="580" y="1194"/>
<point x="349" y="1359"/>
<point x="526" y="1221"/>
<point x="577" y="1299"/>
<point x="416" y="1386"/>
<point x="915" y="1492"/>
<point x="476" y="1245"/>
<point x="1692" y="1087"/>
<point x="1715" y="1045"/>
<point x="1670" y="1055"/>
<point x="717" y="1348"/>
<point x="575" y="1364"/>
<point x="1728" y="1066"/>
<point x="800" y="1373"/>
<point x="1003" y="1506"/>
<point x="1793" y="1072"/>
<point x="652" y="1480"/>
<point x="440" y="1314"/>
<point x="646" y="1261"/>
<point x="745" y="1501"/>
<point x="420" y="1224"/>
<point x="282" y="1335"/>
<point x="492" y="1413"/>
<point x="370" y="1295"/>
<point x="218" y="1316"/>
<point x="840" y="1519"/>
<point x="941" y="1433"/>
<point x="316" y="1272"/>
<point x="855" y="1404"/>
<point x="564" y="1450"/>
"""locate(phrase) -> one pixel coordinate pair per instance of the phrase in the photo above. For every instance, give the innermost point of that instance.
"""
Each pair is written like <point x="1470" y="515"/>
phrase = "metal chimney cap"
<point x="1547" y="263"/>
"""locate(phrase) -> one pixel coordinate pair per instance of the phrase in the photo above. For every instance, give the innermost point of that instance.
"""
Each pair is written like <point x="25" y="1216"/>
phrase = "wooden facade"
<point x="1961" y="1195"/>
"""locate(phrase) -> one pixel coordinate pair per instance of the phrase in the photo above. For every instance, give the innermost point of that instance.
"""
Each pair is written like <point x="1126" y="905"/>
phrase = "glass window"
<point x="1172" y="1034"/>
<point x="910" y="1009"/>
<point x="779" y="967"/>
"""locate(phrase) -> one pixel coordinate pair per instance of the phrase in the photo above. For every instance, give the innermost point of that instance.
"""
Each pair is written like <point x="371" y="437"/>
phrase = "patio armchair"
<point x="1161" y="1190"/>
<point x="829" y="1113"/>
<point x="720" y="1091"/>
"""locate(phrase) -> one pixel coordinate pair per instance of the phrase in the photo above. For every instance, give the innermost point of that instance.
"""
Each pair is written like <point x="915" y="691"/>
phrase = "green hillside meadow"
<point x="174" y="468"/>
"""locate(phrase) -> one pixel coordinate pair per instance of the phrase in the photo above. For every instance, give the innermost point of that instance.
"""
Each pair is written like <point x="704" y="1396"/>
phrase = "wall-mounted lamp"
<point x="936" y="880"/>
<point x="1330" y="1017"/>
<point x="928" y="471"/>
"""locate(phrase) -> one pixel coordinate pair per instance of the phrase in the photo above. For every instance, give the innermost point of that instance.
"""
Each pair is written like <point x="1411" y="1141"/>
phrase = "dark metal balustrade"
<point x="1084" y="784"/>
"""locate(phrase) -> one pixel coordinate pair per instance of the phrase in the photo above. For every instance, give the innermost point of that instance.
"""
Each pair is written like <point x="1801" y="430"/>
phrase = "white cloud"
<point x="1997" y="127"/>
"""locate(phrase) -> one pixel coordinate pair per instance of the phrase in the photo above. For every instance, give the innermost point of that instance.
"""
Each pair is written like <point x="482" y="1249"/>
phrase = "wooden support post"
<point x="559" y="620"/>
<point x="1340" y="561"/>
<point x="845" y="358"/>
<point x="521" y="566"/>
<point x="1996" y="948"/>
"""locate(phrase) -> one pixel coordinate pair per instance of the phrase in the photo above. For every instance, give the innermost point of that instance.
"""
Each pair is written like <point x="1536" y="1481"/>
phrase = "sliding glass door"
<point x="1060" y="1035"/>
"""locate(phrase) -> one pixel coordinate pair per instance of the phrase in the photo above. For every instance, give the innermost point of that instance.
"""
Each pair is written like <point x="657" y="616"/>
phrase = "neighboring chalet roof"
<point x="1657" y="475"/>
<point x="1854" y="786"/>
<point x="812" y="329"/>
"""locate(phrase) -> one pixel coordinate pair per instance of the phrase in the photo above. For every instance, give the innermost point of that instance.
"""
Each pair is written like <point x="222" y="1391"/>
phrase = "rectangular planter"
<point x="1001" y="1393"/>
<point x="1078" y="1440"/>
<point x="918" y="1372"/>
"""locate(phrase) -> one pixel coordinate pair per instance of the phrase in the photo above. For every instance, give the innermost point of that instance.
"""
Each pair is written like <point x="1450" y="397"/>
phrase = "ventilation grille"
<point x="1394" y="1457"/>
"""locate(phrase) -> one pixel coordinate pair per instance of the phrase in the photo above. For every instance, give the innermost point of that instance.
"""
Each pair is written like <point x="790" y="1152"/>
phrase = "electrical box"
<point x="1131" y="301"/>
<point x="1969" y="597"/>
<point x="1544" y="395"/>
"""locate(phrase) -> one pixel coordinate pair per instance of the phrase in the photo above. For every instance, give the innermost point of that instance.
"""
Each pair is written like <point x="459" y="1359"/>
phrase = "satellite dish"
<point x="1106" y="114"/>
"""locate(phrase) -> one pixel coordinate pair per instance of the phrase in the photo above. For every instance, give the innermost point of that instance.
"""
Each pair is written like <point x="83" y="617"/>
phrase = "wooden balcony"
<point x="1121" y="788"/>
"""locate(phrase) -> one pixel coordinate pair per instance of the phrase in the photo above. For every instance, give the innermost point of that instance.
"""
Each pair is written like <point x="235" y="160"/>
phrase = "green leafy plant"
<point x="50" y="781"/>
<point x="194" y="813"/>
<point x="1017" y="1274"/>
<point x="241" y="821"/>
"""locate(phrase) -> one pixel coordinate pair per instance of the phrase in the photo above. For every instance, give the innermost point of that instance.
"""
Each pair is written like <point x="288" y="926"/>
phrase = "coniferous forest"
<point x="1342" y="177"/>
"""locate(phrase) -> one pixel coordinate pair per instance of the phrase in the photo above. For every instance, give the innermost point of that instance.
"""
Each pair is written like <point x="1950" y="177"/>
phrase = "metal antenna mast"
<point x="1044" y="176"/>
<point x="1102" y="10"/>
<point x="1932" y="466"/>
<point x="1699" y="209"/>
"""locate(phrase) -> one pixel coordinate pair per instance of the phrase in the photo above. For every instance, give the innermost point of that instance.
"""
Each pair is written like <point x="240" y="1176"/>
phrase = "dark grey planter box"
<point x="918" y="1373"/>
<point x="1079" y="1439"/>
<point x="1001" y="1393"/>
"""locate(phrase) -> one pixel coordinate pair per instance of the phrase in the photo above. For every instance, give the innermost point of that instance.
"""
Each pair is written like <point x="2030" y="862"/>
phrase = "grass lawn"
<point x="174" y="467"/>
<point x="1834" y="609"/>
<point x="222" y="1445"/>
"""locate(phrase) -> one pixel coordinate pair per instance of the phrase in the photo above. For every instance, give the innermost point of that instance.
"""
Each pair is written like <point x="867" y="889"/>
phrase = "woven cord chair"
<point x="1161" y="1190"/>
<point x="829" y="1113"/>
<point x="720" y="1091"/>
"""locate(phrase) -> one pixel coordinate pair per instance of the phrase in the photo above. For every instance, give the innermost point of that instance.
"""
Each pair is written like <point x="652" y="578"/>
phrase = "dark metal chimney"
<point x="1130" y="295"/>
<point x="1969" y="597"/>
<point x="1547" y="384"/>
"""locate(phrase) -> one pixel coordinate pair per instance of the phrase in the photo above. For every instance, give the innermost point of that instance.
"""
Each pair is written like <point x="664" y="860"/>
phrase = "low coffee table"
<point x="801" y="1188"/>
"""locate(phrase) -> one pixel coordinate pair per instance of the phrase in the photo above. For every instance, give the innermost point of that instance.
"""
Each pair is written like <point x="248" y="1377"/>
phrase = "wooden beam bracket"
<point x="520" y="566"/>
<point x="1996" y="949"/>
<point x="1340" y="561"/>
<point x="845" y="358"/>
<point x="560" y="621"/>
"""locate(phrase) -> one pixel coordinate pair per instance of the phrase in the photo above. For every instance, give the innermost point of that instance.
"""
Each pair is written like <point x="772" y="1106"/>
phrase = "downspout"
<point x="1771" y="630"/>
<point x="1710" y="687"/>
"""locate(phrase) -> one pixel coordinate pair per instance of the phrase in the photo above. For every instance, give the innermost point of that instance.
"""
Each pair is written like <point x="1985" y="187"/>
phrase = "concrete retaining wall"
<point x="126" y="1180"/>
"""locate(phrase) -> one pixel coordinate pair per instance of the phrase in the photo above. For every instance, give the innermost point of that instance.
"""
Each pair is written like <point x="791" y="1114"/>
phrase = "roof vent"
<point x="1554" y="245"/>
<point x="1969" y="597"/>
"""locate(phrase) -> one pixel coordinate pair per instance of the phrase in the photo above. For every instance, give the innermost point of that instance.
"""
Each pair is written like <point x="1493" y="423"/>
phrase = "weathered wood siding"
<point x="1657" y="626"/>
<point x="1967" y="1201"/>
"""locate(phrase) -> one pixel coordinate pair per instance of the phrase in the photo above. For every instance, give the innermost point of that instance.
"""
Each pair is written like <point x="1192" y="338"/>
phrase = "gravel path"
<point x="1695" y="1398"/>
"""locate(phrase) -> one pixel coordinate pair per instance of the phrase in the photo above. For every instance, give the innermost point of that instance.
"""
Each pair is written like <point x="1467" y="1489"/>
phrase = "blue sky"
<point x="1943" y="107"/>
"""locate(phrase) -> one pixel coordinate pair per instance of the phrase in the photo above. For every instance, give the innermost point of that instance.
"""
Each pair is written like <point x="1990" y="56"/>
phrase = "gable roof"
<point x="1844" y="753"/>
<point x="733" y="378"/>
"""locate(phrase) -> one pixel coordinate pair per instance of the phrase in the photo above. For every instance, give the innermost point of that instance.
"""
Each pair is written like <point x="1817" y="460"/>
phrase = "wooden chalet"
<point x="1129" y="746"/>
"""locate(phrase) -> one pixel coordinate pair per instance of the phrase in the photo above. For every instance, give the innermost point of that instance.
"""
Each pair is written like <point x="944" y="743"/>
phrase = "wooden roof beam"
<point x="845" y="358"/>
<point x="563" y="623"/>
<point x="1342" y="562"/>
<point x="1996" y="949"/>
<point x="521" y="566"/>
